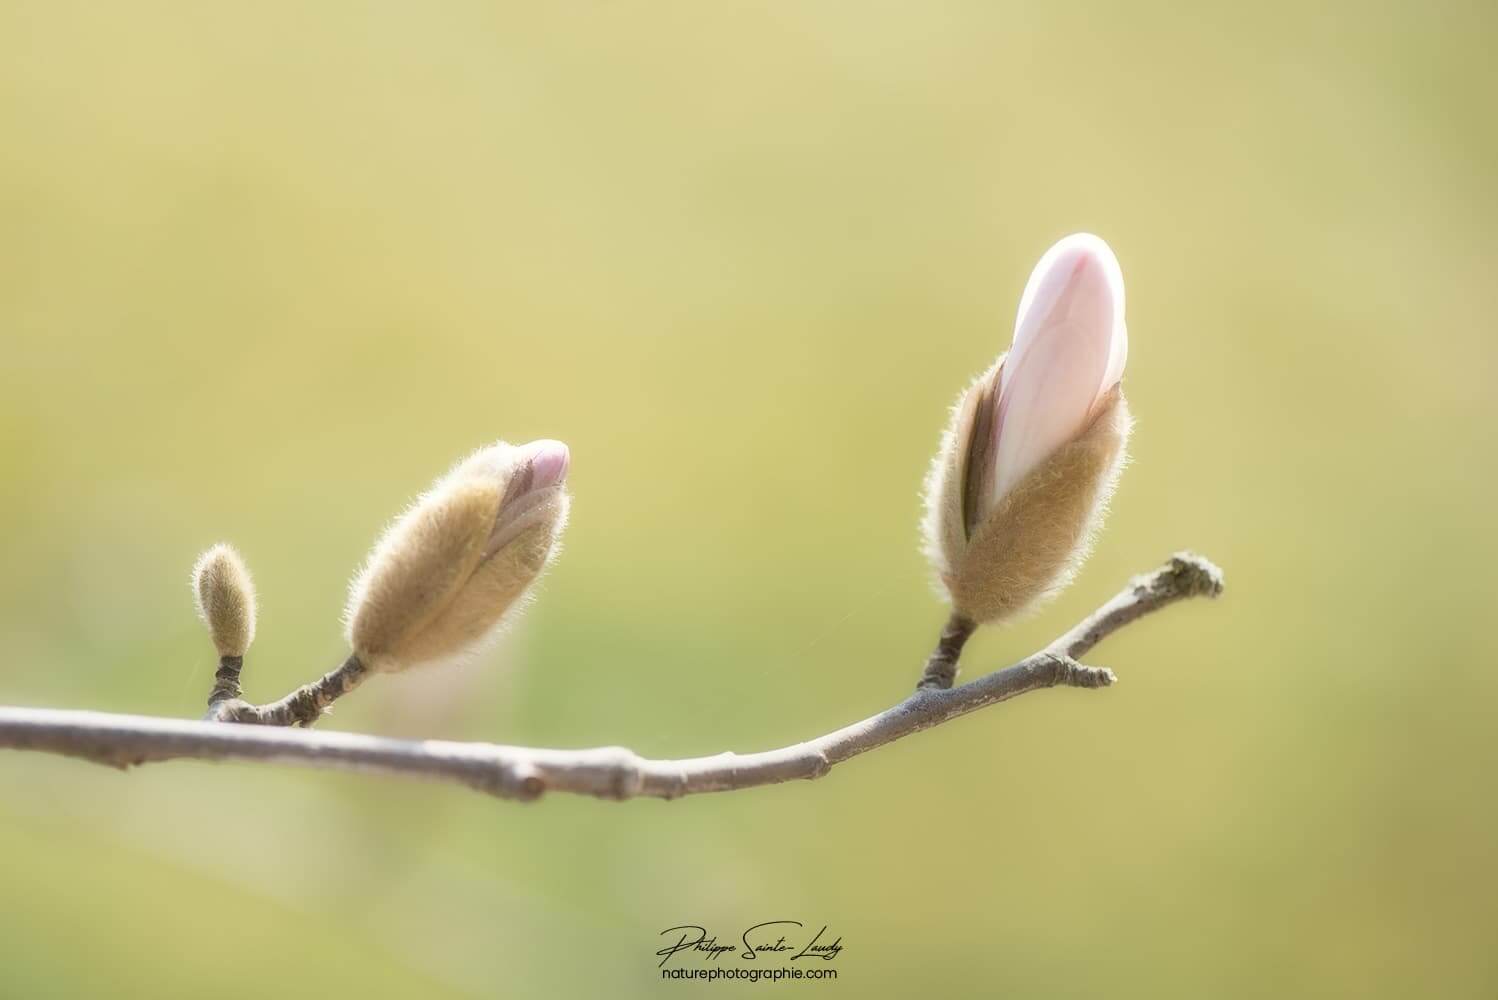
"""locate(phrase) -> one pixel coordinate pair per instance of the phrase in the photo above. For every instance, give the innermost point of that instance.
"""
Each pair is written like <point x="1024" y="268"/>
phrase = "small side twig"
<point x="526" y="773"/>
<point x="302" y="707"/>
<point x="941" y="668"/>
<point x="225" y="681"/>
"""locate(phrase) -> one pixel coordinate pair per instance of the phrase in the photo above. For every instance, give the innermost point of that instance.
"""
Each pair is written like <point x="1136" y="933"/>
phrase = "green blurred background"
<point x="265" y="270"/>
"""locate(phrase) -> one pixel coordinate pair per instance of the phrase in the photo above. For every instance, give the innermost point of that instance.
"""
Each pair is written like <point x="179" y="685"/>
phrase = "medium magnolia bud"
<point x="225" y="599"/>
<point x="438" y="584"/>
<point x="1036" y="444"/>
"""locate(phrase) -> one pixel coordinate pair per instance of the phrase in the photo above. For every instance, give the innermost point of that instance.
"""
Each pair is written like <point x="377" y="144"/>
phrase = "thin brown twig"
<point x="941" y="667"/>
<point x="607" y="772"/>
<point x="302" y="707"/>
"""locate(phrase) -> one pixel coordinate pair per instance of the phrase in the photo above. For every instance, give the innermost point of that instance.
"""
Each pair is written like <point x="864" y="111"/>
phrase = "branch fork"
<point x="525" y="774"/>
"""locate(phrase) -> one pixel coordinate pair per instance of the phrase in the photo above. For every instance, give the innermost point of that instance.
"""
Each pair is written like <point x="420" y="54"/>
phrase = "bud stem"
<point x="941" y="668"/>
<point x="304" y="706"/>
<point x="226" y="680"/>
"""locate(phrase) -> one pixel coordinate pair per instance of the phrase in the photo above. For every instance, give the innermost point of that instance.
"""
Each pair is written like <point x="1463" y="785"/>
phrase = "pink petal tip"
<point x="549" y="461"/>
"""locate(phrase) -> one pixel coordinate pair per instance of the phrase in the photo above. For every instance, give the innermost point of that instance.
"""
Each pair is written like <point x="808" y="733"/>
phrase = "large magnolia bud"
<point x="439" y="583"/>
<point x="1036" y="444"/>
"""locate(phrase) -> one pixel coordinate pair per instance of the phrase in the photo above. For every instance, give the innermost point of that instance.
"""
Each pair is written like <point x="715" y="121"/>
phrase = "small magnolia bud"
<point x="225" y="599"/>
<point x="1036" y="444"/>
<point x="438" y="584"/>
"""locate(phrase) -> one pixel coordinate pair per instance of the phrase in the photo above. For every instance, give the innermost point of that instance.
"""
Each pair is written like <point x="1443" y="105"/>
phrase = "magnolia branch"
<point x="606" y="772"/>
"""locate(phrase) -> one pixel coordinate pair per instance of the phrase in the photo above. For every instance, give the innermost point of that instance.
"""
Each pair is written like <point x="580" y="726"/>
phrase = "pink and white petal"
<point x="1070" y="346"/>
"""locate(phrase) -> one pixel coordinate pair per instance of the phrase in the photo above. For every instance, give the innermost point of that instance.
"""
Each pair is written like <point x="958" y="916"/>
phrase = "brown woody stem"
<point x="941" y="667"/>
<point x="525" y="773"/>
<point x="302" y="707"/>
<point x="225" y="681"/>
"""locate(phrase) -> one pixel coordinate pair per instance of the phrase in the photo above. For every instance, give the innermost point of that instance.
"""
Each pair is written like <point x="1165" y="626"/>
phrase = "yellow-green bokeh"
<point x="265" y="269"/>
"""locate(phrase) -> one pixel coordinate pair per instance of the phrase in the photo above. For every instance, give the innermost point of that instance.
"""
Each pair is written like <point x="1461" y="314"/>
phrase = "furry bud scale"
<point x="438" y="584"/>
<point x="225" y="598"/>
